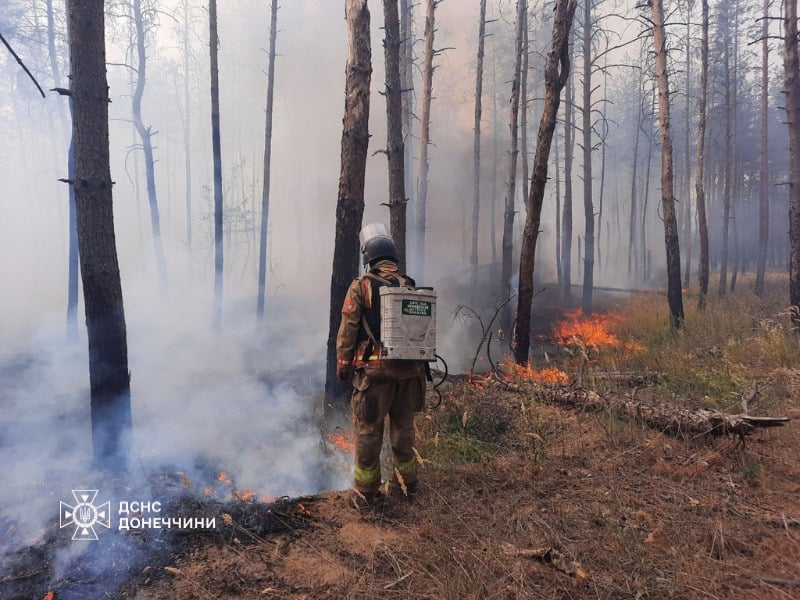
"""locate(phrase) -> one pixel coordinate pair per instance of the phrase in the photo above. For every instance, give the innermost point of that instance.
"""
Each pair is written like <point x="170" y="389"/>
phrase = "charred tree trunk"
<point x="394" y="139"/>
<point x="511" y="182"/>
<point x="566" y="221"/>
<point x="350" y="200"/>
<point x="702" y="221"/>
<point x="476" y="145"/>
<point x="588" y="203"/>
<point x="102" y="289"/>
<point x="217" y="151"/>
<point x="791" y="65"/>
<point x="555" y="77"/>
<point x="145" y="135"/>
<point x="262" y="248"/>
<point x="674" y="293"/>
<point x="763" y="198"/>
<point x="424" y="137"/>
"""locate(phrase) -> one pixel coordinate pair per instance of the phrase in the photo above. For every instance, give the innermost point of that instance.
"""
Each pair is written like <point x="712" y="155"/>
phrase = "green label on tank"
<point x="417" y="308"/>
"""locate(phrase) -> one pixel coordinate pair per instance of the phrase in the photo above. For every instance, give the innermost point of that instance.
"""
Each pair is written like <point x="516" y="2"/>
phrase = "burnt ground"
<point x="633" y="512"/>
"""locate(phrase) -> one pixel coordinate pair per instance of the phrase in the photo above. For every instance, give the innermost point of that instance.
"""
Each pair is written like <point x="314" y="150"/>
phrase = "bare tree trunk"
<point x="217" y="152"/>
<point x="633" y="254"/>
<point x="145" y="134"/>
<point x="674" y="294"/>
<point x="523" y="118"/>
<point x="646" y="196"/>
<point x="407" y="103"/>
<point x="424" y="138"/>
<point x="736" y="161"/>
<point x="394" y="139"/>
<point x="726" y="197"/>
<point x="602" y="170"/>
<point x="511" y="182"/>
<point x="495" y="157"/>
<point x="105" y="315"/>
<point x="350" y="200"/>
<point x="559" y="271"/>
<point x="476" y="145"/>
<point x="588" y="204"/>
<point x="187" y="127"/>
<point x="702" y="221"/>
<point x="555" y="77"/>
<point x="262" y="248"/>
<point x="763" y="198"/>
<point x="566" y="221"/>
<point x="687" y="162"/>
<point x="791" y="65"/>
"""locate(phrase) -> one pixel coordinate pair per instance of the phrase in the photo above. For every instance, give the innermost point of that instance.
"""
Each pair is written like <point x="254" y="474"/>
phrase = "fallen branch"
<point x="666" y="417"/>
<point x="549" y="556"/>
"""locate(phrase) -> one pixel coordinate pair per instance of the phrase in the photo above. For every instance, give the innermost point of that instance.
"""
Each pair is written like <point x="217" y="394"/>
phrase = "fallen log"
<point x="671" y="419"/>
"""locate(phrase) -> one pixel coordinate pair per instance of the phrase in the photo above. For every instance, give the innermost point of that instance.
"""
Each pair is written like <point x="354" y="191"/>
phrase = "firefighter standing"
<point x="380" y="387"/>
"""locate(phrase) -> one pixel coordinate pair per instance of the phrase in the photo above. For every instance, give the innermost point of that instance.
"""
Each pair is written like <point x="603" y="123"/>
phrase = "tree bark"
<point x="588" y="203"/>
<point x="424" y="137"/>
<point x="105" y="315"/>
<point x="791" y="65"/>
<point x="523" y="104"/>
<point x="145" y="135"/>
<point x="726" y="196"/>
<point x="763" y="198"/>
<point x="407" y="103"/>
<point x="556" y="73"/>
<point x="511" y="182"/>
<point x="394" y="139"/>
<point x="687" y="159"/>
<point x="674" y="293"/>
<point x="566" y="220"/>
<point x="217" y="152"/>
<point x="262" y="248"/>
<point x="350" y="200"/>
<point x="633" y="254"/>
<point x="187" y="127"/>
<point x="559" y="271"/>
<point x="702" y="221"/>
<point x="476" y="145"/>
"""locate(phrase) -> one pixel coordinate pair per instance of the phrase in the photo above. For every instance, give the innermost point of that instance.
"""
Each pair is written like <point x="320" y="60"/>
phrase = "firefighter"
<point x="380" y="387"/>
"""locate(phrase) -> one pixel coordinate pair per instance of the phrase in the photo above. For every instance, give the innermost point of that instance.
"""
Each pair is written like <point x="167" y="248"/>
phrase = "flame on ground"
<point x="550" y="375"/>
<point x="593" y="331"/>
<point x="342" y="442"/>
<point x="223" y="477"/>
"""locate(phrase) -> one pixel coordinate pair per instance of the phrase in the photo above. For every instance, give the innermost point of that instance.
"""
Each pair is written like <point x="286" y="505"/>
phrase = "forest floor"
<point x="523" y="499"/>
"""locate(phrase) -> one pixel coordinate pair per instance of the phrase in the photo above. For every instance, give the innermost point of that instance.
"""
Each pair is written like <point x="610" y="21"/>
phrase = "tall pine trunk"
<point x="262" y="248"/>
<point x="791" y="65"/>
<point x="407" y="103"/>
<point x="476" y="145"/>
<point x="424" y="137"/>
<point x="217" y="152"/>
<point x="555" y="76"/>
<point x="674" y="293"/>
<point x="687" y="159"/>
<point x="566" y="221"/>
<point x="187" y="127"/>
<point x="702" y="220"/>
<point x="102" y="289"/>
<point x="763" y="198"/>
<point x="588" y="203"/>
<point x="350" y="200"/>
<point x="725" y="17"/>
<point x="394" y="123"/>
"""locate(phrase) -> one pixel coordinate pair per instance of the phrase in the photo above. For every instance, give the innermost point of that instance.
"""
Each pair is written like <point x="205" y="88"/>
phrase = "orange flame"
<point x="223" y="477"/>
<point x="268" y="498"/>
<point x="551" y="375"/>
<point x="342" y="442"/>
<point x="244" y="495"/>
<point x="303" y="510"/>
<point x="594" y="331"/>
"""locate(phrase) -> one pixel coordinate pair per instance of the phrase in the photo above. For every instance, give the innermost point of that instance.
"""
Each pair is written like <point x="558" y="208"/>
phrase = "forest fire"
<point x="344" y="443"/>
<point x="548" y="375"/>
<point x="593" y="331"/>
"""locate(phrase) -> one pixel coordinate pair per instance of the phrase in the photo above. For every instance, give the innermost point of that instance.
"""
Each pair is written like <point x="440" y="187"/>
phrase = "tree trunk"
<point x="674" y="293"/>
<point x="556" y="74"/>
<point x="495" y="157"/>
<point x="633" y="254"/>
<point x="407" y="103"/>
<point x="726" y="197"/>
<point x="476" y="145"/>
<point x="559" y="271"/>
<point x="702" y="221"/>
<point x="566" y="221"/>
<point x="511" y="182"/>
<point x="350" y="201"/>
<point x="687" y="162"/>
<point x="145" y="135"/>
<point x="735" y="159"/>
<point x="262" y="248"/>
<point x="187" y="127"/>
<point x="791" y="65"/>
<point x="424" y="137"/>
<point x="105" y="315"/>
<point x="523" y="117"/>
<point x="646" y="195"/>
<point x="394" y="139"/>
<point x="217" y="151"/>
<point x="588" y="203"/>
<point x="603" y="147"/>
<point x="763" y="198"/>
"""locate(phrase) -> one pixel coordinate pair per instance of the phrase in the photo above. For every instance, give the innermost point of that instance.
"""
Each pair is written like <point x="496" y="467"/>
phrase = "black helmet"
<point x="376" y="244"/>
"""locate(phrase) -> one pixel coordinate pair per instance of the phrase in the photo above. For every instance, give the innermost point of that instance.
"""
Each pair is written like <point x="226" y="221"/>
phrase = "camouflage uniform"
<point x="380" y="387"/>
